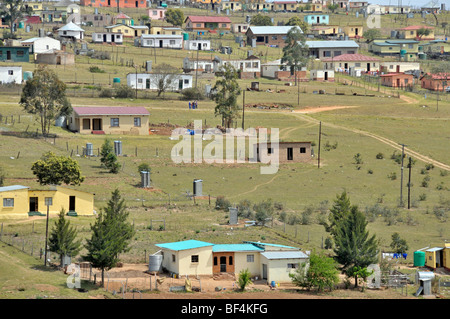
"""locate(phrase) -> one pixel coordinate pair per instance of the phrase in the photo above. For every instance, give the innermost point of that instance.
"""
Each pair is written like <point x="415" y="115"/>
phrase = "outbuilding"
<point x="10" y="74"/>
<point x="41" y="44"/>
<point x="71" y="31"/>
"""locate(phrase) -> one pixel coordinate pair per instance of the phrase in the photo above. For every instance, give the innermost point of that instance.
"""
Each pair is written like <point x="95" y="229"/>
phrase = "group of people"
<point x="193" y="105"/>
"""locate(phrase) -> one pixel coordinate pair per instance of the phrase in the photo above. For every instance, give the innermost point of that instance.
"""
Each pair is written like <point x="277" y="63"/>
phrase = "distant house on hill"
<point x="397" y="80"/>
<point x="40" y="45"/>
<point x="128" y="31"/>
<point x="114" y="4"/>
<point x="435" y="82"/>
<point x="328" y="49"/>
<point x="167" y="41"/>
<point x="71" y="31"/>
<point x="269" y="35"/>
<point x="289" y="152"/>
<point x="14" y="53"/>
<point x="199" y="23"/>
<point x="109" y="120"/>
<point x="345" y="62"/>
<point x="107" y="37"/>
<point x="411" y="33"/>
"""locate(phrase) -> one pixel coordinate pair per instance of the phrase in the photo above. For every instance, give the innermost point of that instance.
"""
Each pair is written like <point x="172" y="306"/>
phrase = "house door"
<point x="8" y="55"/>
<point x="326" y="76"/>
<point x="104" y="38"/>
<point x="346" y="66"/>
<point x="208" y="68"/>
<point x="356" y="31"/>
<point x="180" y="84"/>
<point x="97" y="124"/>
<point x="137" y="4"/>
<point x="113" y="38"/>
<point x="290" y="153"/>
<point x="239" y="28"/>
<point x="368" y="67"/>
<point x="160" y="43"/>
<point x="147" y="83"/>
<point x="34" y="204"/>
<point x="72" y="203"/>
<point x="109" y="2"/>
<point x="223" y="264"/>
<point x="199" y="47"/>
<point x="318" y="20"/>
<point x="398" y="68"/>
<point x="264" y="271"/>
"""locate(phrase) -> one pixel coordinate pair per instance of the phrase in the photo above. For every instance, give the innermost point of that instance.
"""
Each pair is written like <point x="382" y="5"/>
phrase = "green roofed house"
<point x="14" y="54"/>
<point x="407" y="49"/>
<point x="270" y="262"/>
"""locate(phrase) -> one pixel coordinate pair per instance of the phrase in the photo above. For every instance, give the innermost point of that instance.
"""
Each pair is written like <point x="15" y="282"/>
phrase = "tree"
<point x="354" y="247"/>
<point x="263" y="210"/>
<point x="340" y="209"/>
<point x="398" y="244"/>
<point x="371" y="34"/>
<point x="165" y="75"/>
<point x="261" y="20"/>
<point x="144" y="167"/>
<point x="111" y="235"/>
<point x="423" y="32"/>
<point x="108" y="157"/>
<point x="244" y="279"/>
<point x="12" y="11"/>
<point x="175" y="17"/>
<point x="225" y="94"/>
<point x="2" y="176"/>
<point x="332" y="7"/>
<point x="297" y="21"/>
<point x="55" y="170"/>
<point x="321" y="272"/>
<point x="63" y="238"/>
<point x="296" y="52"/>
<point x="45" y="95"/>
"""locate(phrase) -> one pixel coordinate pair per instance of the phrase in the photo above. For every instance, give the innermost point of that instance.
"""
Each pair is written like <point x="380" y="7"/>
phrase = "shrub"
<point x="392" y="176"/>
<point x="95" y="69"/>
<point x="379" y="156"/>
<point x="222" y="203"/>
<point x="358" y="159"/>
<point x="423" y="197"/>
<point x="429" y="166"/>
<point x="443" y="173"/>
<point x="192" y="94"/>
<point x="123" y="91"/>
<point x="370" y="171"/>
<point x="245" y="209"/>
<point x="425" y="181"/>
<point x="105" y="92"/>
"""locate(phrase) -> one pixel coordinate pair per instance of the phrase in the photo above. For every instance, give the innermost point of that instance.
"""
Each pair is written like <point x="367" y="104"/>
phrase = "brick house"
<point x="397" y="80"/>
<point x="288" y="152"/>
<point x="346" y="61"/>
<point x="199" y="23"/>
<point x="268" y="35"/>
<point x="435" y="82"/>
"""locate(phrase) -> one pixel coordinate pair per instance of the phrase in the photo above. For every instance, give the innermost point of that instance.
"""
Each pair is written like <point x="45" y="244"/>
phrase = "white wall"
<point x="7" y="77"/>
<point x="193" y="45"/>
<point x="154" y="40"/>
<point x="142" y="81"/>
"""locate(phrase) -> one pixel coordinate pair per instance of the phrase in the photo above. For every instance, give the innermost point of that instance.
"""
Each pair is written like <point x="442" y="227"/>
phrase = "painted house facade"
<point x="353" y="31"/>
<point x="114" y="3"/>
<point x="268" y="35"/>
<point x="97" y="20"/>
<point x="289" y="152"/>
<point x="202" y="65"/>
<point x="326" y="49"/>
<point x="279" y="71"/>
<point x="11" y="74"/>
<point x="39" y="45"/>
<point x="14" y="53"/>
<point x="399" y="67"/>
<point x="397" y="80"/>
<point x="317" y="19"/>
<point x="128" y="31"/>
<point x="107" y="37"/>
<point x="157" y="13"/>
<point x="161" y="41"/>
<point x="199" y="23"/>
<point x="247" y="68"/>
<point x="166" y="30"/>
<point x="55" y="57"/>
<point x="410" y="33"/>
<point x="71" y="30"/>
<point x="17" y="201"/>
<point x="435" y="82"/>
<point x="321" y="75"/>
<point x="109" y="120"/>
<point x="194" y="45"/>
<point x="239" y="27"/>
<point x="149" y="81"/>
<point x="270" y="262"/>
<point x="345" y="62"/>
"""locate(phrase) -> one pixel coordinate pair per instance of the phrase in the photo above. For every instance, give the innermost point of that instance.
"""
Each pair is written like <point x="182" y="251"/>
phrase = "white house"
<point x="203" y="45"/>
<point x="10" y="74"/>
<point x="168" y="41"/>
<point x="247" y="68"/>
<point x="107" y="37"/>
<point x="71" y="30"/>
<point x="43" y="44"/>
<point x="202" y="65"/>
<point x="149" y="81"/>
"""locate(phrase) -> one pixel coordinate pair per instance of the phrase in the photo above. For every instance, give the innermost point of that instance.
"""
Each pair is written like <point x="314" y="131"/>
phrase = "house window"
<point x="8" y="202"/>
<point x="302" y="150"/>
<point x="224" y="25"/>
<point x="269" y="150"/>
<point x="215" y="261"/>
<point x="99" y="36"/>
<point x="173" y="258"/>
<point x="137" y="121"/>
<point x="48" y="201"/>
<point x="326" y="53"/>
<point x="186" y="81"/>
<point x="250" y="258"/>
<point x="292" y="266"/>
<point x="357" y="64"/>
<point x="20" y="53"/>
<point x="230" y="260"/>
<point x="274" y="37"/>
<point x="172" y="42"/>
<point x="198" y="25"/>
<point x="194" y="259"/>
<point x="115" y="122"/>
<point x="351" y="52"/>
<point x="10" y="72"/>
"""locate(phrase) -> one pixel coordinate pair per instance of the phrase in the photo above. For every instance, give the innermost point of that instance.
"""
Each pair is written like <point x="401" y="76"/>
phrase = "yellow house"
<point x="434" y="257"/>
<point x="166" y="30"/>
<point x="128" y="31"/>
<point x="109" y="120"/>
<point x="447" y="256"/>
<point x="36" y="6"/>
<point x="20" y="201"/>
<point x="353" y="31"/>
<point x="232" y="5"/>
<point x="410" y="33"/>
<point x="122" y="18"/>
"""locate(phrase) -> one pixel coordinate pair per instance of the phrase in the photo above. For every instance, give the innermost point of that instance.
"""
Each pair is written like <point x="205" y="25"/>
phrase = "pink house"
<point x="157" y="13"/>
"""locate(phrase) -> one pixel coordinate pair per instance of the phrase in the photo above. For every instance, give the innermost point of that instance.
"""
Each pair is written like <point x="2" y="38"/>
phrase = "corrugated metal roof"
<point x="271" y="29"/>
<point x="111" y="110"/>
<point x="12" y="188"/>
<point x="350" y="57"/>
<point x="211" y="19"/>
<point x="435" y="249"/>
<point x="332" y="44"/>
<point x="236" y="247"/>
<point x="70" y="27"/>
<point x="267" y="244"/>
<point x="284" y="255"/>
<point x="183" y="245"/>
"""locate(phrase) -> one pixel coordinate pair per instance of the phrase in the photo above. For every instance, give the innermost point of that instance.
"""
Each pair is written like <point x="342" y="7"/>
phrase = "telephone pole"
<point x="409" y="183"/>
<point x="320" y="135"/>
<point x="401" y="177"/>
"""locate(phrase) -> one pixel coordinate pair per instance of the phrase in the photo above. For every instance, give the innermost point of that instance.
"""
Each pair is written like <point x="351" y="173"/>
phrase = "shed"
<point x="11" y="74"/>
<point x="434" y="257"/>
<point x="55" y="57"/>
<point x="277" y="265"/>
<point x="71" y="30"/>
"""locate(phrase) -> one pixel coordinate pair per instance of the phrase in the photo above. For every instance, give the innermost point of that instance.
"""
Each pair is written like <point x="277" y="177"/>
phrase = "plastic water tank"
<point x="116" y="80"/>
<point x="419" y="258"/>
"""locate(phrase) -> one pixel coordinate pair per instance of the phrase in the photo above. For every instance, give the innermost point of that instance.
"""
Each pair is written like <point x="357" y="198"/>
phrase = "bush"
<point x="392" y="176"/>
<point x="423" y="197"/>
<point x="192" y="94"/>
<point x="105" y="92"/>
<point x="95" y="69"/>
<point x="358" y="159"/>
<point x="222" y="203"/>
<point x="379" y="156"/>
<point x="123" y="91"/>
<point x="425" y="181"/>
<point x="245" y="209"/>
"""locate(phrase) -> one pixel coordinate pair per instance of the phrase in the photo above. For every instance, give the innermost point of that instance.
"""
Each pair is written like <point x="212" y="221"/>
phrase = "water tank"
<point x="198" y="187"/>
<point x="145" y="179"/>
<point x="89" y="149"/>
<point x="154" y="263"/>
<point x="21" y="25"/>
<point x="27" y="75"/>
<point x="116" y="80"/>
<point x="132" y="22"/>
<point x="60" y="121"/>
<point x="185" y="36"/>
<point x="148" y="66"/>
<point x="419" y="259"/>
<point x="118" y="148"/>
<point x="402" y="52"/>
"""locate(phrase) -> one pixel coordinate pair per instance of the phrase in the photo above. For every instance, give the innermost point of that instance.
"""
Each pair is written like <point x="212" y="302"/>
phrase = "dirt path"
<point x="318" y="109"/>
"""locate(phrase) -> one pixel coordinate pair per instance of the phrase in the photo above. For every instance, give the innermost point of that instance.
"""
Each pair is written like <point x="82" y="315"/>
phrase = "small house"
<point x="107" y="37"/>
<point x="109" y="120"/>
<point x="128" y="31"/>
<point x="322" y="75"/>
<point x="10" y="74"/>
<point x="411" y="33"/>
<point x="196" y="23"/>
<point x="114" y="4"/>
<point x="166" y="41"/>
<point x="231" y="5"/>
<point x="17" y="201"/>
<point x="288" y="152"/>
<point x="71" y="31"/>
<point x="285" y="5"/>
<point x="166" y="30"/>
<point x="345" y="62"/>
<point x="43" y="44"/>
<point x="96" y="19"/>
<point x="55" y="57"/>
<point x="249" y="68"/>
<point x="325" y="49"/>
<point x="239" y="27"/>
<point x="14" y="53"/>
<point x="151" y="81"/>
<point x="122" y="18"/>
<point x="435" y="82"/>
<point x="200" y="65"/>
<point x="317" y="19"/>
<point x="274" y="36"/>
<point x="279" y="71"/>
<point x="434" y="257"/>
<point x="194" y="45"/>
<point x="158" y="13"/>
<point x="397" y="80"/>
<point x="353" y="31"/>
<point x="326" y="31"/>
<point x="399" y="67"/>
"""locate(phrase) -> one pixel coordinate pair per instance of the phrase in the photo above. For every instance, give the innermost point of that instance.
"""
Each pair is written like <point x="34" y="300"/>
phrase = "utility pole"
<point x="409" y="183"/>
<point x="437" y="98"/>
<point x="298" y="95"/>
<point x="243" y="108"/>
<point x="320" y="136"/>
<point x="196" y="69"/>
<point x="48" y="203"/>
<point x="401" y="178"/>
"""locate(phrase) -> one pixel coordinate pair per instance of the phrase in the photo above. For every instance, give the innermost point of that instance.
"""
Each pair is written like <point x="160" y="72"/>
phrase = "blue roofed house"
<point x="270" y="262"/>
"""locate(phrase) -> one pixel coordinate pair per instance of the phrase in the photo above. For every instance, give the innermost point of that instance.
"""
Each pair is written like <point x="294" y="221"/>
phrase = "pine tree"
<point x="354" y="248"/>
<point x="111" y="234"/>
<point x="340" y="209"/>
<point x="108" y="158"/>
<point x="63" y="238"/>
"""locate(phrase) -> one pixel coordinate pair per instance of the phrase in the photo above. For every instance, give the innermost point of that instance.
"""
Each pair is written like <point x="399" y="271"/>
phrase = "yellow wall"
<point x="183" y="265"/>
<point x="350" y="30"/>
<point x="126" y="124"/>
<point x="240" y="259"/>
<point x="21" y="205"/>
<point x="128" y="31"/>
<point x="164" y="31"/>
